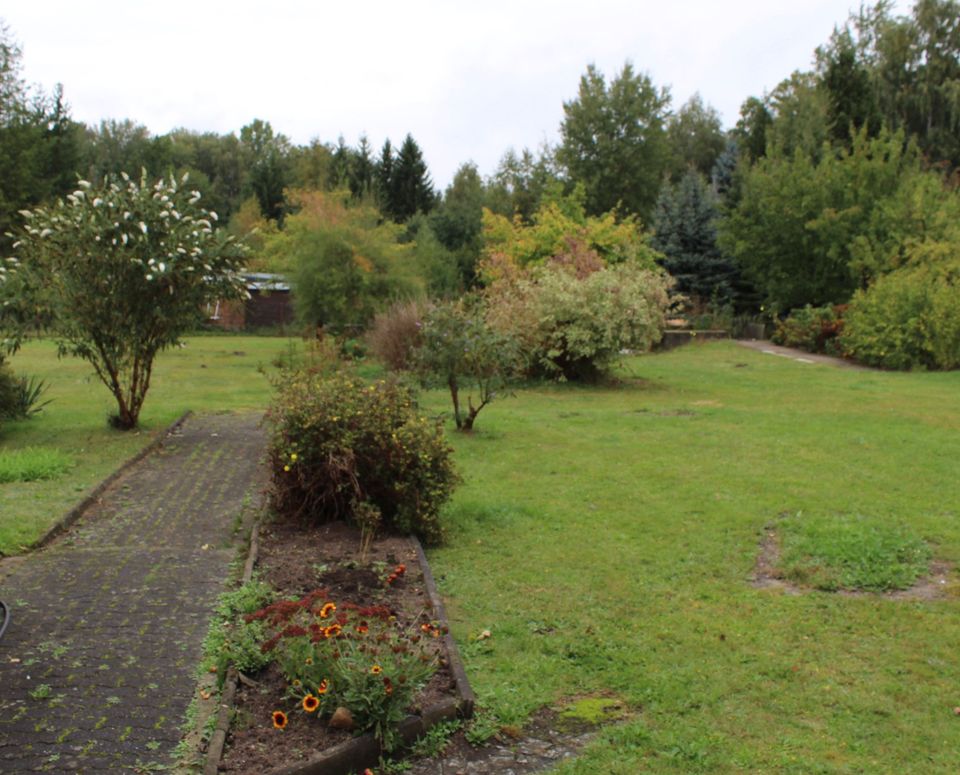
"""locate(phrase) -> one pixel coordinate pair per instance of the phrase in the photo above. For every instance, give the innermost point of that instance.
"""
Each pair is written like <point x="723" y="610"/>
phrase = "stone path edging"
<point x="219" y="737"/>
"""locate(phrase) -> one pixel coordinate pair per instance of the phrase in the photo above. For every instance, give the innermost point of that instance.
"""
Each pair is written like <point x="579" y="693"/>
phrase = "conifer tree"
<point x="361" y="172"/>
<point x="383" y="178"/>
<point x="685" y="232"/>
<point x="411" y="190"/>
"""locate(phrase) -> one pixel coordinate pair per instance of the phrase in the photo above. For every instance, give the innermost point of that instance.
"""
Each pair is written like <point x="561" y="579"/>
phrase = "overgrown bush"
<point x="814" y="329"/>
<point x="907" y="319"/>
<point x="396" y="334"/>
<point x="341" y="447"/>
<point x="460" y="349"/>
<point x="575" y="325"/>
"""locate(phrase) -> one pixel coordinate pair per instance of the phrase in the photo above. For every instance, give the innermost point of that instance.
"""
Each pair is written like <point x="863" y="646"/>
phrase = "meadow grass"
<point x="32" y="464"/>
<point x="210" y="373"/>
<point x="606" y="537"/>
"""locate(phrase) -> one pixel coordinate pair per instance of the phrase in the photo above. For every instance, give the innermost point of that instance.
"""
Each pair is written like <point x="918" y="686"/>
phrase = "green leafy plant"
<point x="339" y="442"/>
<point x="436" y="739"/>
<point x="359" y="658"/>
<point x="814" y="329"/>
<point x="483" y="726"/>
<point x="459" y="348"/>
<point x="907" y="319"/>
<point x="120" y="272"/>
<point x="32" y="464"/>
<point x="231" y="639"/>
<point x="833" y="552"/>
<point x="42" y="692"/>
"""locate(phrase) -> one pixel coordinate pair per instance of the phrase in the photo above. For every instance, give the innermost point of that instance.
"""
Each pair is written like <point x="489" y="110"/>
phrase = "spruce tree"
<point x="383" y="179"/>
<point x="685" y="232"/>
<point x="725" y="167"/>
<point x="411" y="190"/>
<point x="361" y="173"/>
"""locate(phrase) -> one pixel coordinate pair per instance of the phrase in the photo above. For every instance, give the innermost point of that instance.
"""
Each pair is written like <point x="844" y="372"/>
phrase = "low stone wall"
<point x="675" y="338"/>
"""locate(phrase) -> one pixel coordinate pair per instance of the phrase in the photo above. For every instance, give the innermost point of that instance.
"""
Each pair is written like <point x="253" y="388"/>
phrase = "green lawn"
<point x="211" y="373"/>
<point x="605" y="537"/>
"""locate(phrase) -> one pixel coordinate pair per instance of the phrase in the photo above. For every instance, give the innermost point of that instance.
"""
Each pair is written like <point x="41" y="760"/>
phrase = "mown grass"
<point x="211" y="373"/>
<point x="606" y="537"/>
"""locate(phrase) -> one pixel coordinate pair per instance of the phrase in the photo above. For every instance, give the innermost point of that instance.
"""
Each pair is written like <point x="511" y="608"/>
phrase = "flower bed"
<point x="365" y="631"/>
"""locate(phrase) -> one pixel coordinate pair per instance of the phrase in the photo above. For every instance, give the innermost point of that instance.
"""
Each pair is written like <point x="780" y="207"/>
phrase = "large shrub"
<point x="907" y="319"/>
<point x="119" y="272"/>
<point x="345" y="449"/>
<point x="574" y="325"/>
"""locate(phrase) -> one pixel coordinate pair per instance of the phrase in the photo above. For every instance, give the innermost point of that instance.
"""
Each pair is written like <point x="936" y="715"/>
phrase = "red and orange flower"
<point x="279" y="719"/>
<point x="310" y="703"/>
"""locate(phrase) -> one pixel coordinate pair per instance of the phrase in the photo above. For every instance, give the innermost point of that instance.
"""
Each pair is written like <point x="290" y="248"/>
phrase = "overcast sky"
<point x="468" y="80"/>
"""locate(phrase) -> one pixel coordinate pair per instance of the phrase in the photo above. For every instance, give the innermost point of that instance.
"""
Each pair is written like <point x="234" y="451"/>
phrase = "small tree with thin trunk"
<point x="120" y="272"/>
<point x="460" y="349"/>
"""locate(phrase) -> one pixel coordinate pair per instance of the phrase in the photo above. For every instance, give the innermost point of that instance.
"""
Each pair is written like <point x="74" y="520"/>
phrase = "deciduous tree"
<point x="613" y="140"/>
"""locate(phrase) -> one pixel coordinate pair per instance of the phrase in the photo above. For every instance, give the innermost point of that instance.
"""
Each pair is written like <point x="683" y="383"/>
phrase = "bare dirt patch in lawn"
<point x="767" y="575"/>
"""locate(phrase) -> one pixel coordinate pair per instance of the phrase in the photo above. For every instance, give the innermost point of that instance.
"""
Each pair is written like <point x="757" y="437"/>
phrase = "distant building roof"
<point x="264" y="281"/>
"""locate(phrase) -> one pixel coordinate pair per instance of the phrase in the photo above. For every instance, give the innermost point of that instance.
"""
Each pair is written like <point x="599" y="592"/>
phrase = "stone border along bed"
<point x="77" y="511"/>
<point x="363" y="751"/>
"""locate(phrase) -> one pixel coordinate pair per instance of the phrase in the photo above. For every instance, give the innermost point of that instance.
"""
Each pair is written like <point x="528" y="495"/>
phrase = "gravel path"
<point x="98" y="665"/>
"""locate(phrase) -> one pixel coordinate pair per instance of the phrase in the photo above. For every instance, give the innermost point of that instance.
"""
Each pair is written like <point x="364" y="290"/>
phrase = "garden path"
<point x="801" y="356"/>
<point x="98" y="665"/>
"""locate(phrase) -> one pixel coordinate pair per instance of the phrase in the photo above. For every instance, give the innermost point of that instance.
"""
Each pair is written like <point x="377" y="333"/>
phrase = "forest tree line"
<point x="840" y="177"/>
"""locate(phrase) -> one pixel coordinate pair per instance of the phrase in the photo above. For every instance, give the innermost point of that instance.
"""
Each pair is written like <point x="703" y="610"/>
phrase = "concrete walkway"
<point x="99" y="663"/>
<point x="800" y="356"/>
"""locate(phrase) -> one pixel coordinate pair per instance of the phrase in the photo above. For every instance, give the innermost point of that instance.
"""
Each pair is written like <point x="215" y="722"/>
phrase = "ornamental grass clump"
<point x="346" y="449"/>
<point x="360" y="658"/>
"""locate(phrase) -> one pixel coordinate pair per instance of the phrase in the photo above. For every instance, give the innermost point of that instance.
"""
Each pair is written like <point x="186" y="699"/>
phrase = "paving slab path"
<point x="99" y="663"/>
<point x="800" y="356"/>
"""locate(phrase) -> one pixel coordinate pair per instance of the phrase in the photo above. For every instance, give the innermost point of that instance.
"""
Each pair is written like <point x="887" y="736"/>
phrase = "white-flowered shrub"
<point x="119" y="272"/>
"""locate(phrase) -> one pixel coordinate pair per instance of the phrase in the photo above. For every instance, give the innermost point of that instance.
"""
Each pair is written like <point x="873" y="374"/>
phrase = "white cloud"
<point x="467" y="79"/>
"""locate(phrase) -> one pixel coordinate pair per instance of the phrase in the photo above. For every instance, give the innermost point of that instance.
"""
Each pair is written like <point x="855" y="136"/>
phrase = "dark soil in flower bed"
<point x="296" y="561"/>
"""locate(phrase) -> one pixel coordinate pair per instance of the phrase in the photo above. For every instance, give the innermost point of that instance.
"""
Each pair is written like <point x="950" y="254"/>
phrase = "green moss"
<point x="595" y="710"/>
